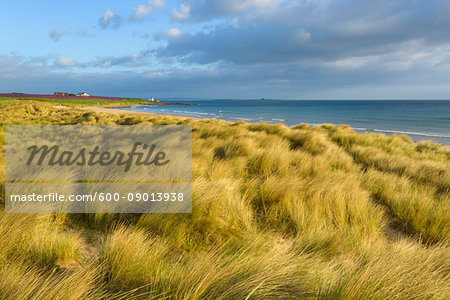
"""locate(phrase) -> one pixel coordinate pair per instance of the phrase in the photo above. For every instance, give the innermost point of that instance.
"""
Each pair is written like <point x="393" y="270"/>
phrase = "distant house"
<point x="83" y="94"/>
<point x="151" y="99"/>
<point x="60" y="94"/>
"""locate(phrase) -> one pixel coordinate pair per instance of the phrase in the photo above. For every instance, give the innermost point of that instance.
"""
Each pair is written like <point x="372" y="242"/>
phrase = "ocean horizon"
<point x="419" y="119"/>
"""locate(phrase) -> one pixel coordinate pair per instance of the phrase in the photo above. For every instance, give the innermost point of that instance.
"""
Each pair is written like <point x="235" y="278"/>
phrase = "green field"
<point x="278" y="213"/>
<point x="85" y="102"/>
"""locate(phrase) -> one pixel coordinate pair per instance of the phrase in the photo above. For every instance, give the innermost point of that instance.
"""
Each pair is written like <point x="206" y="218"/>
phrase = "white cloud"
<point x="106" y="64"/>
<point x="155" y="74"/>
<point x="82" y="33"/>
<point x="56" y="34"/>
<point x="302" y="35"/>
<point x="241" y="5"/>
<point x="171" y="33"/>
<point x="65" y="62"/>
<point x="210" y="9"/>
<point x="110" y="19"/>
<point x="350" y="63"/>
<point x="126" y="61"/>
<point x="106" y="17"/>
<point x="143" y="10"/>
<point x="181" y="14"/>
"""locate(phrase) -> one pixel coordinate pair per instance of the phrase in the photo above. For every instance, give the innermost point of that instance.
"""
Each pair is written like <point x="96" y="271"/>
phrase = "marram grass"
<point x="278" y="213"/>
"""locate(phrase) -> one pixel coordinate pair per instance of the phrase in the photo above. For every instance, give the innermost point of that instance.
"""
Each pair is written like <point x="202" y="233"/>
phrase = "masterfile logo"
<point x="54" y="156"/>
<point x="92" y="169"/>
<point x="103" y="152"/>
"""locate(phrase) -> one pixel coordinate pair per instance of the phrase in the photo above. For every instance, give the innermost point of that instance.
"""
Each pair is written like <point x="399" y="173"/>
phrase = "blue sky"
<point x="305" y="49"/>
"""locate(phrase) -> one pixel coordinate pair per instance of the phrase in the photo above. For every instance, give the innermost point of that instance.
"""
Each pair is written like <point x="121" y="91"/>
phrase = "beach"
<point x="137" y="110"/>
<point x="125" y="111"/>
<point x="114" y="110"/>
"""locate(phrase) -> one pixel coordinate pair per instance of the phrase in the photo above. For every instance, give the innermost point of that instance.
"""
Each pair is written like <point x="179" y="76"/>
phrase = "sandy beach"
<point x="115" y="110"/>
<point x="127" y="112"/>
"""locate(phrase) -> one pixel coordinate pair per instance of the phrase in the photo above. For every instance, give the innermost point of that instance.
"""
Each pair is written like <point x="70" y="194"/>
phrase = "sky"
<point x="217" y="49"/>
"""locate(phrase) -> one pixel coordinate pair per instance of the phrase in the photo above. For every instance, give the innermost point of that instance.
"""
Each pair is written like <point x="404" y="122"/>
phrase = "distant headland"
<point x="85" y="98"/>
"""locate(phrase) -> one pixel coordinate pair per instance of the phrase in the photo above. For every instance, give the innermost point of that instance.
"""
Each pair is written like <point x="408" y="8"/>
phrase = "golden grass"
<point x="417" y="207"/>
<point x="403" y="270"/>
<point x="303" y="212"/>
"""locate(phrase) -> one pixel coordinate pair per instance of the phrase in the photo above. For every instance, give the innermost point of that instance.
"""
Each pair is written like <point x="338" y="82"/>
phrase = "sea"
<point x="419" y="119"/>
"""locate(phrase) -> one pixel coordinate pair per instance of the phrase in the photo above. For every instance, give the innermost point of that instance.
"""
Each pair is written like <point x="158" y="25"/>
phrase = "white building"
<point x="83" y="94"/>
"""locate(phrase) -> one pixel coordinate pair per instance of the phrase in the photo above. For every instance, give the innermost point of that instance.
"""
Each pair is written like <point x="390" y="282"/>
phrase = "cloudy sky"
<point x="304" y="49"/>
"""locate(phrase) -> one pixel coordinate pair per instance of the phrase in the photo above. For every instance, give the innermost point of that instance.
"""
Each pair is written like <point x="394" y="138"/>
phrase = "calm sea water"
<point x="420" y="119"/>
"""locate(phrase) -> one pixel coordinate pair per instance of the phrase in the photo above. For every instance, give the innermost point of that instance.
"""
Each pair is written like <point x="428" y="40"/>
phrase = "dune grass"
<point x="278" y="213"/>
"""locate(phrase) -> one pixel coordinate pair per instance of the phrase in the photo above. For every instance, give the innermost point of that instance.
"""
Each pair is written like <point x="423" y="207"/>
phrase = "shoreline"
<point x="132" y="112"/>
<point x="116" y="110"/>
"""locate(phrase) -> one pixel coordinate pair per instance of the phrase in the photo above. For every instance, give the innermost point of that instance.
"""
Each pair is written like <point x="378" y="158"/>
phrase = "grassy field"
<point x="81" y="101"/>
<point x="278" y="212"/>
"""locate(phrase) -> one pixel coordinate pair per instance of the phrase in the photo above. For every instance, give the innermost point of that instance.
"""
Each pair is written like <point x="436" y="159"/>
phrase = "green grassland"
<point x="85" y="102"/>
<point x="278" y="212"/>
